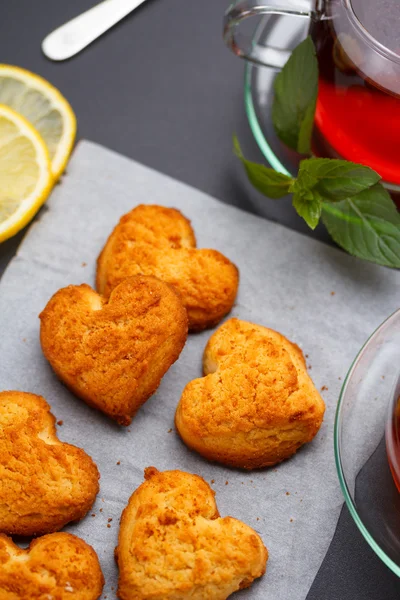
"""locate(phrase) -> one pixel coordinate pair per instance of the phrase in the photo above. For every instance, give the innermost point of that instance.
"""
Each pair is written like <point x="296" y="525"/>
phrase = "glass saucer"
<point x="365" y="410"/>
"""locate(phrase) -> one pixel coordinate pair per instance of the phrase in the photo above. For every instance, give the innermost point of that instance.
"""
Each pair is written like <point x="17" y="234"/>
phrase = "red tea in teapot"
<point x="358" y="108"/>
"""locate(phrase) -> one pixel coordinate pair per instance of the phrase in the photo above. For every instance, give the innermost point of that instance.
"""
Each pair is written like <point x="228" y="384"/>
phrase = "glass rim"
<point x="378" y="46"/>
<point x="337" y="450"/>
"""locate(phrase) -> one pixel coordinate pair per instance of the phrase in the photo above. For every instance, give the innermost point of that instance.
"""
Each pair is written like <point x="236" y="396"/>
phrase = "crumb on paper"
<point x="109" y="519"/>
<point x="383" y="377"/>
<point x="212" y="480"/>
<point x="291" y="520"/>
<point x="24" y="339"/>
<point x="287" y="493"/>
<point x="102" y="500"/>
<point x="226" y="482"/>
<point x="309" y="367"/>
<point x="84" y="264"/>
<point x="169" y="430"/>
<point x="60" y="422"/>
<point x="333" y="293"/>
<point x="101" y="510"/>
<point x="128" y="429"/>
<point x="306" y="355"/>
<point x="118" y="462"/>
<point x="258" y="518"/>
<point x="324" y="388"/>
<point x="108" y="525"/>
<point x="93" y="514"/>
<point x="340" y="379"/>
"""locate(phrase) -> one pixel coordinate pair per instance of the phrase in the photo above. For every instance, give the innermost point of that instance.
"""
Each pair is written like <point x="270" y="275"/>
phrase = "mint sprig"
<point x="357" y="211"/>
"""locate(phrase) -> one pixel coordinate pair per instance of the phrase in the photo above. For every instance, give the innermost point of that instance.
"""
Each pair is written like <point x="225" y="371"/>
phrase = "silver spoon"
<point x="72" y="37"/>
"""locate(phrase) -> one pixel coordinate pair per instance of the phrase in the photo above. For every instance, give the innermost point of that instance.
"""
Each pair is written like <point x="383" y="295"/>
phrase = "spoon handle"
<point x="72" y="37"/>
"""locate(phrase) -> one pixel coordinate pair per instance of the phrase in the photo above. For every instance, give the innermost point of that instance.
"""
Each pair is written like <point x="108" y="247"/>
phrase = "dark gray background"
<point x="162" y="89"/>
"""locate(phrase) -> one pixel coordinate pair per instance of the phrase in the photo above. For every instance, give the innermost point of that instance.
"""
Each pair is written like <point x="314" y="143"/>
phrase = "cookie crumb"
<point x="306" y="355"/>
<point x="309" y="367"/>
<point x="212" y="480"/>
<point x="108" y="525"/>
<point x="84" y="264"/>
<point x="287" y="493"/>
<point x="324" y="388"/>
<point x="60" y="422"/>
<point x="93" y="514"/>
<point x="383" y="377"/>
<point x="24" y="339"/>
<point x="109" y="519"/>
<point x="333" y="293"/>
<point x="258" y="518"/>
<point x="118" y="462"/>
<point x="102" y="500"/>
<point x="101" y="510"/>
<point x="291" y="520"/>
<point x="169" y="430"/>
<point x="226" y="482"/>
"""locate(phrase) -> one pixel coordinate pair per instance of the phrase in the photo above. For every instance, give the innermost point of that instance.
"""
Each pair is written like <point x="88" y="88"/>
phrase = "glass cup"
<point x="358" y="50"/>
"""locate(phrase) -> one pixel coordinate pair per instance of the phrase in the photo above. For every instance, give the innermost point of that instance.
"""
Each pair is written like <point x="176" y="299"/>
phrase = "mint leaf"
<point x="308" y="208"/>
<point x="296" y="90"/>
<point x="308" y="204"/>
<point x="336" y="179"/>
<point x="267" y="181"/>
<point x="366" y="225"/>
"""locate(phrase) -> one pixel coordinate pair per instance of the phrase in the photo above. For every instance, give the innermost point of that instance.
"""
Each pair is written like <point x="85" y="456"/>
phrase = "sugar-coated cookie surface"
<point x="58" y="566"/>
<point x="159" y="241"/>
<point x="173" y="545"/>
<point x="256" y="404"/>
<point x="113" y="354"/>
<point x="44" y="483"/>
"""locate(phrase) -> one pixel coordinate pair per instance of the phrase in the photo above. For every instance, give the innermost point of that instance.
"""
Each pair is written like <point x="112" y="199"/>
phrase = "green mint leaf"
<point x="366" y="225"/>
<point x="296" y="90"/>
<point x="308" y="204"/>
<point x="336" y="179"/>
<point x="267" y="181"/>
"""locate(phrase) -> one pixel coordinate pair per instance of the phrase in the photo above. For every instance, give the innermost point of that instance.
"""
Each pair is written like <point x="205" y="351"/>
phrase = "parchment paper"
<point x="319" y="297"/>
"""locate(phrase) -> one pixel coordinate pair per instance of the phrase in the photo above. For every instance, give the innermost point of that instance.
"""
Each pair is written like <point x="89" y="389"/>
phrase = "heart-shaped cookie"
<point x="114" y="354"/>
<point x="159" y="241"/>
<point x="58" y="566"/>
<point x="256" y="404"/>
<point x="44" y="483"/>
<point x="173" y="545"/>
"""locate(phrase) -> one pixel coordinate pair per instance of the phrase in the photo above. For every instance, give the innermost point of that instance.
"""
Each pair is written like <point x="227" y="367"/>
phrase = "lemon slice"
<point x="44" y="107"/>
<point x="25" y="172"/>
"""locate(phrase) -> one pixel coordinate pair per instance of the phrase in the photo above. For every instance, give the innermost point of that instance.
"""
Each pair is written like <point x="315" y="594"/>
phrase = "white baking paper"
<point x="317" y="296"/>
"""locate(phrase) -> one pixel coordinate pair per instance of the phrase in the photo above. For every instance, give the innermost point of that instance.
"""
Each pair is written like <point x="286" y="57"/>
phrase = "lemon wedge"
<point x="44" y="107"/>
<point x="25" y="172"/>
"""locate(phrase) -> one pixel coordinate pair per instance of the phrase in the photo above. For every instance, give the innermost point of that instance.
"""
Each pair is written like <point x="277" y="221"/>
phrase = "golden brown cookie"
<point x="44" y="483"/>
<point x="173" y="545"/>
<point x="113" y="354"/>
<point x="58" y="566"/>
<point x="256" y="404"/>
<point x="153" y="240"/>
